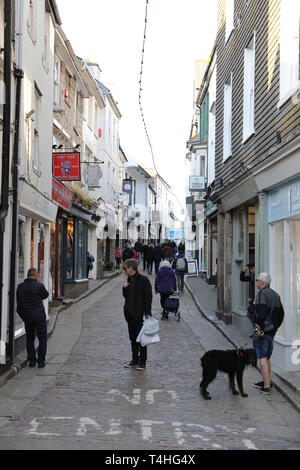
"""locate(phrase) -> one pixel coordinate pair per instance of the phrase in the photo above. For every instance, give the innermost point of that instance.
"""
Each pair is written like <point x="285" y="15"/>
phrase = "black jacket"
<point x="251" y="280"/>
<point x="263" y="305"/>
<point x="138" y="298"/>
<point x="30" y="296"/>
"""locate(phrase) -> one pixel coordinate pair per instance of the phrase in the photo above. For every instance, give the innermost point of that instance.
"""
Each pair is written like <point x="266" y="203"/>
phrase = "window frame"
<point x="249" y="89"/>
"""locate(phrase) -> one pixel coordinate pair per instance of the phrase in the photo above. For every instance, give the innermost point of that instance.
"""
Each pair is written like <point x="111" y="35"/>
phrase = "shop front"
<point x="36" y="213"/>
<point x="284" y="233"/>
<point x="243" y="253"/>
<point x="211" y="242"/>
<point x="69" y="245"/>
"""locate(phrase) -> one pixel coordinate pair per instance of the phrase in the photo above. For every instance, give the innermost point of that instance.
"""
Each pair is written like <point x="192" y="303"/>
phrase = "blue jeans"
<point x="263" y="346"/>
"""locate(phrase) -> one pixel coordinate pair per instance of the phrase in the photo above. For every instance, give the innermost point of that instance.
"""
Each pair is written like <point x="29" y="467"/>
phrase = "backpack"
<point x="180" y="264"/>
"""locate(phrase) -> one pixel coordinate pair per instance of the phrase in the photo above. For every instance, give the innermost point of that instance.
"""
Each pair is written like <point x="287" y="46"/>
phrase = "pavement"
<point x="21" y="359"/>
<point x="86" y="399"/>
<point x="205" y="297"/>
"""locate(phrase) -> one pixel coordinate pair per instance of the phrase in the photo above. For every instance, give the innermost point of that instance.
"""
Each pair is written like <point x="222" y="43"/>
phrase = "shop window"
<point x="41" y="251"/>
<point x="82" y="250"/>
<point x="277" y="268"/>
<point x="70" y="249"/>
<point x="295" y="276"/>
<point x="21" y="251"/>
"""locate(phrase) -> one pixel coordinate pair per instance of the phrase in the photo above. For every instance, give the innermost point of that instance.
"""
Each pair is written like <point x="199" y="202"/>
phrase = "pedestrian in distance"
<point x="118" y="257"/>
<point x="181" y="246"/>
<point x="144" y="255"/>
<point x="180" y="267"/>
<point x="267" y="315"/>
<point x="137" y="292"/>
<point x="128" y="253"/>
<point x="90" y="261"/>
<point x="165" y="284"/>
<point x="167" y="252"/>
<point x="150" y="257"/>
<point x="157" y="255"/>
<point x="30" y="308"/>
<point x="174" y="249"/>
<point x="249" y="278"/>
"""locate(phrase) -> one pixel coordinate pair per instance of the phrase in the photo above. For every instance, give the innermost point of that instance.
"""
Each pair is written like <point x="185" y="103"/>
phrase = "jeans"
<point x="263" y="346"/>
<point x="38" y="329"/>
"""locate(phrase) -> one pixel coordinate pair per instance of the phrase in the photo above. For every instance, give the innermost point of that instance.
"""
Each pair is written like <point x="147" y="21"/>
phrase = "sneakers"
<point x="132" y="363"/>
<point x="141" y="366"/>
<point x="265" y="391"/>
<point x="32" y="364"/>
<point x="42" y="365"/>
<point x="260" y="385"/>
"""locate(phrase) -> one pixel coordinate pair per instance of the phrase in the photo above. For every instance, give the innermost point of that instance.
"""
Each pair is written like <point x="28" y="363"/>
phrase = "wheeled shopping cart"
<point x="172" y="305"/>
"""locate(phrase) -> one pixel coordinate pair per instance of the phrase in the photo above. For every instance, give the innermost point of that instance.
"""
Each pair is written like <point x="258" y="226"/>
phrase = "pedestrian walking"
<point x="267" y="315"/>
<point x="157" y="256"/>
<point x="174" y="249"/>
<point x="128" y="253"/>
<point x="118" y="257"/>
<point x="30" y="308"/>
<point x="167" y="252"/>
<point x="165" y="284"/>
<point x="137" y="292"/>
<point x="144" y="255"/>
<point x="90" y="263"/>
<point x="150" y="257"/>
<point x="181" y="246"/>
<point x="180" y="267"/>
<point x="249" y="278"/>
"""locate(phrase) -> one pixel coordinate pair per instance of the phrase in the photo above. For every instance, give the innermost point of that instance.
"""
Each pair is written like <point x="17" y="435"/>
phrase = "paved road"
<point x="86" y="399"/>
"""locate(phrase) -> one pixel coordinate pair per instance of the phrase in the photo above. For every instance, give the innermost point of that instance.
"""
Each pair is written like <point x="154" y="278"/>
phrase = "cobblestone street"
<point x="86" y="399"/>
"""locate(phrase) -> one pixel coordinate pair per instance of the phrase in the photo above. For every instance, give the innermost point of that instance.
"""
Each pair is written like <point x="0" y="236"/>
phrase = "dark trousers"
<point x="163" y="297"/>
<point x="180" y="281"/>
<point x="38" y="329"/>
<point x="149" y="266"/>
<point x="139" y="352"/>
<point x="157" y="263"/>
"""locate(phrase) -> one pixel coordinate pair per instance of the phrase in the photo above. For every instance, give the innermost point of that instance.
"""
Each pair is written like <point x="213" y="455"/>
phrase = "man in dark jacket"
<point x="30" y="307"/>
<point x="138" y="301"/>
<point x="267" y="316"/>
<point x="180" y="267"/>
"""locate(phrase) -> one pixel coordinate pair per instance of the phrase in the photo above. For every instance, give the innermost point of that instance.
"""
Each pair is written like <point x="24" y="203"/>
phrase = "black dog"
<point x="231" y="362"/>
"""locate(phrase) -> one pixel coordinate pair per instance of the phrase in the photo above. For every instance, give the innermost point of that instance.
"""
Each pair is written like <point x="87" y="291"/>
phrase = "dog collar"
<point x="239" y="353"/>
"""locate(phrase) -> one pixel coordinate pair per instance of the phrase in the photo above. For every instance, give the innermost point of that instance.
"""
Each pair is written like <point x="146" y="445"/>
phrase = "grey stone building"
<point x="257" y="159"/>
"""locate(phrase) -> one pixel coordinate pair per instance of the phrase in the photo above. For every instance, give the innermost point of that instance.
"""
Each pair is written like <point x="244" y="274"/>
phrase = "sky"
<point x="111" y="33"/>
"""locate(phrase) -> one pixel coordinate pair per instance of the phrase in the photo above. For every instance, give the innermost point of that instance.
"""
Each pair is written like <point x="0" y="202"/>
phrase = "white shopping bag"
<point x="146" y="340"/>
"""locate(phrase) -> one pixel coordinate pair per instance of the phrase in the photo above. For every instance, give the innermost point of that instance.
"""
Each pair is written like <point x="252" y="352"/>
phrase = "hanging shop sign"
<point x="197" y="184"/>
<point x="127" y="186"/>
<point x="66" y="166"/>
<point x="61" y="195"/>
<point x="92" y="175"/>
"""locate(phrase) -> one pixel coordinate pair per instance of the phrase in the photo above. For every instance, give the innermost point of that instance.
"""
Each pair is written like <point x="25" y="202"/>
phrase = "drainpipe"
<point x="19" y="75"/>
<point x="6" y="139"/>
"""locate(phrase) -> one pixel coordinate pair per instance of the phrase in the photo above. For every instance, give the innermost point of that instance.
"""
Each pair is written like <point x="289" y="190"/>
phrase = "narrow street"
<point x="86" y="399"/>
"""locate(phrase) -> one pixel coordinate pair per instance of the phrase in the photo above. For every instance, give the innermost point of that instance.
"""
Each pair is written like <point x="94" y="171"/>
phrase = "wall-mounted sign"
<point x="127" y="186"/>
<point x="66" y="166"/>
<point x="92" y="175"/>
<point x="197" y="183"/>
<point x="61" y="195"/>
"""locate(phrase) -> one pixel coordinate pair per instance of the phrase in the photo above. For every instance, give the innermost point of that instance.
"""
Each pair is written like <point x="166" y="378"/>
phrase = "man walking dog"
<point x="267" y="316"/>
<point x="30" y="307"/>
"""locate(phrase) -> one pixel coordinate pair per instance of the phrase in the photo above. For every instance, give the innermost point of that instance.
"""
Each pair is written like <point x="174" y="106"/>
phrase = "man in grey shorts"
<point x="267" y="318"/>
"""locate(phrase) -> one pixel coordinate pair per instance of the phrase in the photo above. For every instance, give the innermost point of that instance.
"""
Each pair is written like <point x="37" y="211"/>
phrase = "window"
<point x="57" y="82"/>
<point x="31" y="21"/>
<point x="46" y="51"/>
<point x="227" y="119"/>
<point x="211" y="145"/>
<point x="289" y="48"/>
<point x="36" y="135"/>
<point x="229" y="18"/>
<point x="96" y="126"/>
<point x="68" y="85"/>
<point x="249" y="87"/>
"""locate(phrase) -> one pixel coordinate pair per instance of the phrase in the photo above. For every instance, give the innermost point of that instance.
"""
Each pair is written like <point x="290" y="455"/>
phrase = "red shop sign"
<point x="66" y="166"/>
<point x="61" y="195"/>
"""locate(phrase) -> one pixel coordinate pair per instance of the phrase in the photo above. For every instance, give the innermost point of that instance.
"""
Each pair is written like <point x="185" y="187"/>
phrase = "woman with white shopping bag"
<point x="137" y="292"/>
